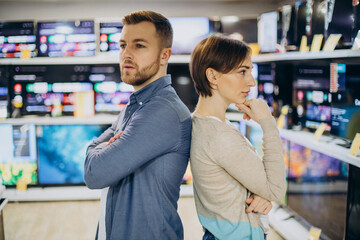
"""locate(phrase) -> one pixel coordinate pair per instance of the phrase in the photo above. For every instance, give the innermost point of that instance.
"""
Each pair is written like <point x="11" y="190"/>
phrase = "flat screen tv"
<point x="266" y="80"/>
<point x="317" y="190"/>
<point x="18" y="156"/>
<point x="188" y="32"/>
<point x="267" y="31"/>
<point x="66" y="38"/>
<point x="311" y="95"/>
<point x="246" y="27"/>
<point x="36" y="89"/>
<point x="110" y="33"/>
<point x="111" y="94"/>
<point x="340" y="20"/>
<point x="4" y="93"/>
<point x="62" y="152"/>
<point x="17" y="39"/>
<point x="345" y="104"/>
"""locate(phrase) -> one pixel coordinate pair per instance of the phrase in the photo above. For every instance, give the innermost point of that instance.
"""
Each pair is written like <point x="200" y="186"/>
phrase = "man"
<point x="143" y="156"/>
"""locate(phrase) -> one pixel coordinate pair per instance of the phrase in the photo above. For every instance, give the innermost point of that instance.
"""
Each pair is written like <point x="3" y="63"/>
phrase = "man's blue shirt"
<point x="144" y="167"/>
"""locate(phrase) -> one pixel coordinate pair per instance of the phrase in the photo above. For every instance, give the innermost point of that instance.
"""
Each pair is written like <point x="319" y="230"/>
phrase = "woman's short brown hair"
<point x="162" y="25"/>
<point x="219" y="52"/>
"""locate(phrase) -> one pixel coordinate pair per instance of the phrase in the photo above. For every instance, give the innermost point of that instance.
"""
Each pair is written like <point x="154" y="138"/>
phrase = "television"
<point x="340" y="20"/>
<point x="37" y="89"/>
<point x="286" y="27"/>
<point x="66" y="38"/>
<point x="345" y="104"/>
<point x="311" y="95"/>
<point x="18" y="154"/>
<point x="111" y="94"/>
<point x="183" y="85"/>
<point x="4" y="93"/>
<point x="189" y="31"/>
<point x="110" y="33"/>
<point x="317" y="190"/>
<point x="254" y="135"/>
<point x="267" y="31"/>
<point x="246" y="27"/>
<point x="62" y="152"/>
<point x="356" y="13"/>
<point x="17" y="39"/>
<point x="266" y="81"/>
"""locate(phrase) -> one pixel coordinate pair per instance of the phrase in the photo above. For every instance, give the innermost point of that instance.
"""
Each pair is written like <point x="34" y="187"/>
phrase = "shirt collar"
<point x="148" y="91"/>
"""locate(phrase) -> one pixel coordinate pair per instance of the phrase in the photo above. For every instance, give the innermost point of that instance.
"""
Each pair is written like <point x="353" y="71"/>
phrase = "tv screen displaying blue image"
<point x="62" y="151"/>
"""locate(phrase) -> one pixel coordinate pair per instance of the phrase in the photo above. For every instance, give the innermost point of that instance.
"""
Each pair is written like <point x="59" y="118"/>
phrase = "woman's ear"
<point x="211" y="75"/>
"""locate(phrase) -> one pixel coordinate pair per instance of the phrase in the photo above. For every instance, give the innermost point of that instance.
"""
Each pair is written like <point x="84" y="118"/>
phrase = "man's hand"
<point x="113" y="138"/>
<point x="258" y="205"/>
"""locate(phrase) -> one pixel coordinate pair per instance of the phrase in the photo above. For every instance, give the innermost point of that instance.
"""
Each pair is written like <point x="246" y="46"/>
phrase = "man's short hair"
<point x="162" y="25"/>
<point x="219" y="52"/>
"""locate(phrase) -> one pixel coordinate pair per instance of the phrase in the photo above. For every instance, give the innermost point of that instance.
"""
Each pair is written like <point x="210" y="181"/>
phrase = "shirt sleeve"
<point x="152" y="132"/>
<point x="265" y="178"/>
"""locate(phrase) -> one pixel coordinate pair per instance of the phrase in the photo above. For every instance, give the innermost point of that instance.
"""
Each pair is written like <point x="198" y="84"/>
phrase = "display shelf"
<point x="66" y="193"/>
<point x="98" y="59"/>
<point x="286" y="224"/>
<point x="64" y="120"/>
<point x="295" y="56"/>
<point x="326" y="144"/>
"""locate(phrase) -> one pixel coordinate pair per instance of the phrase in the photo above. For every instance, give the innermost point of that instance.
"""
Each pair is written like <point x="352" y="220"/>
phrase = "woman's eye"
<point x="122" y="46"/>
<point x="140" y="46"/>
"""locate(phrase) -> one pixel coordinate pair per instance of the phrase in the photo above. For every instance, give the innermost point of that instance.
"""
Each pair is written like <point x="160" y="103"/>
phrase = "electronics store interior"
<point x="60" y="87"/>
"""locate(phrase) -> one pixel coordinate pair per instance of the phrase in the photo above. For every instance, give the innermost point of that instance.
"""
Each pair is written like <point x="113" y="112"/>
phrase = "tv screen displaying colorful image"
<point x="18" y="154"/>
<point x="62" y="152"/>
<point x="188" y="31"/>
<point x="317" y="190"/>
<point x="38" y="89"/>
<point x="17" y="39"/>
<point x="4" y="93"/>
<point x="110" y="33"/>
<point x="66" y="38"/>
<point x="111" y="94"/>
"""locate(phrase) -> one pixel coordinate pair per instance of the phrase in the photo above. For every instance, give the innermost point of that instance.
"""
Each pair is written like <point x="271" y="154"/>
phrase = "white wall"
<point x="28" y="10"/>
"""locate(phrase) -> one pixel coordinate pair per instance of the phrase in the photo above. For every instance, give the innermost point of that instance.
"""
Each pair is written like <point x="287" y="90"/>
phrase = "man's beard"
<point x="141" y="75"/>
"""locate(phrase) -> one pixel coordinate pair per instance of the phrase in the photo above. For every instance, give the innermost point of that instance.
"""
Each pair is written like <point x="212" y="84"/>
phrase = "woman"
<point x="225" y="167"/>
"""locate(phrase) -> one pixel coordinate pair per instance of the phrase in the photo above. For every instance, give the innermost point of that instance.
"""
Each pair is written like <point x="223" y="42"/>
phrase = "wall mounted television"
<point x="66" y="38"/>
<point x="36" y="89"/>
<point x="110" y="33"/>
<point x="17" y="39"/>
<point x="111" y="94"/>
<point x="4" y="93"/>
<point x="246" y="27"/>
<point x="18" y="149"/>
<point x="62" y="152"/>
<point x="189" y="31"/>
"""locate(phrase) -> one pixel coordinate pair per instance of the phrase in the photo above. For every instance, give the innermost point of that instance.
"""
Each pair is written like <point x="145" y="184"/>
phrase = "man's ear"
<point x="165" y="55"/>
<point x="211" y="75"/>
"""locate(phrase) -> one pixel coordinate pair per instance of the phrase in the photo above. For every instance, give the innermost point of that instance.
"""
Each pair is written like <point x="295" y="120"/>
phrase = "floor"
<point x="78" y="220"/>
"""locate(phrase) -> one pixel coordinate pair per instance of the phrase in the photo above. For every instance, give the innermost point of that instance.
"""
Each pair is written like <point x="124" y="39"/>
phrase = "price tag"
<point x="319" y="131"/>
<point x="21" y="185"/>
<point x="314" y="233"/>
<point x="316" y="42"/>
<point x="331" y="42"/>
<point x="303" y="44"/>
<point x="355" y="145"/>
